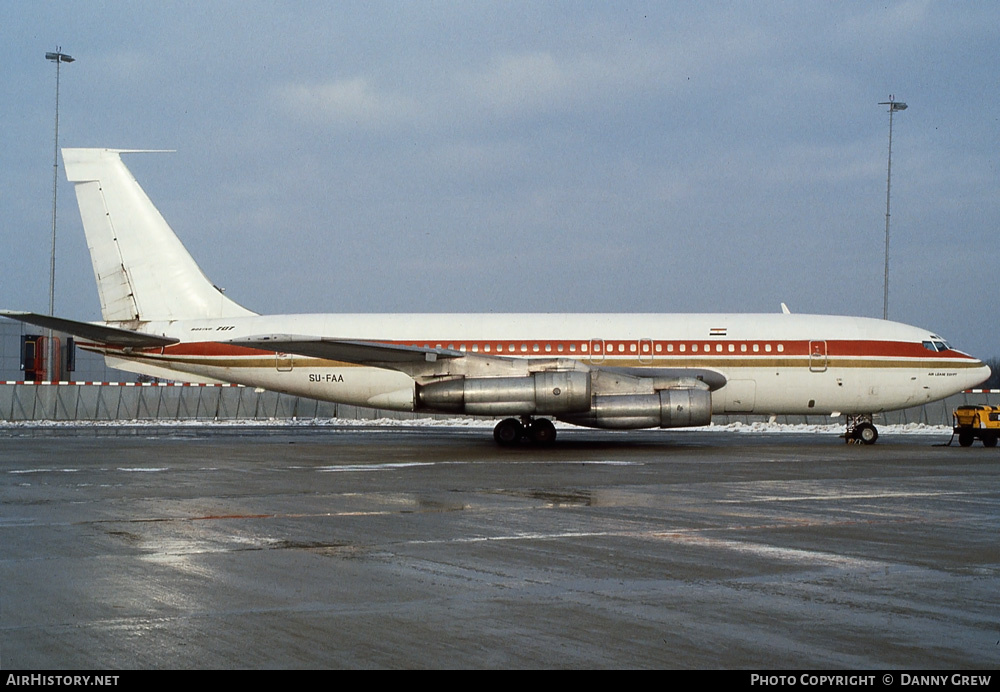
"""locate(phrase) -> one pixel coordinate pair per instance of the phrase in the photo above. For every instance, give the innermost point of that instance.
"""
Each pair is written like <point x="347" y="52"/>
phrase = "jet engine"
<point x="666" y="408"/>
<point x="540" y="393"/>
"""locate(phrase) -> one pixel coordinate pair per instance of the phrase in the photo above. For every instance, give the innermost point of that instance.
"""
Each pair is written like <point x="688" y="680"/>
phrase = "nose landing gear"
<point x="860" y="430"/>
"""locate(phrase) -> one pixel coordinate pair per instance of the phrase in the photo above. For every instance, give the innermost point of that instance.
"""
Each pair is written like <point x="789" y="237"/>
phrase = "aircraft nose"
<point x="978" y="375"/>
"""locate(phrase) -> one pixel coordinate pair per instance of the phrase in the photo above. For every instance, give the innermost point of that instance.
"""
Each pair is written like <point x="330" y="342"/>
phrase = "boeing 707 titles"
<point x="164" y="318"/>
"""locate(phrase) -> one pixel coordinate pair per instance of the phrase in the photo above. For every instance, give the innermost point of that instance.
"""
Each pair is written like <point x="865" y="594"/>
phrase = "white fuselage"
<point x="772" y="363"/>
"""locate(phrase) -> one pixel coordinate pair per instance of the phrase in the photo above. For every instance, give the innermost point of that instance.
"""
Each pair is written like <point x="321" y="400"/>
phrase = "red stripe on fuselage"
<point x="616" y="347"/>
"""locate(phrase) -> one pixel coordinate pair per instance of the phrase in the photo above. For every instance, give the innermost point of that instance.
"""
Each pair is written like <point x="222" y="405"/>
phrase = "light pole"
<point x="894" y="106"/>
<point x="58" y="58"/>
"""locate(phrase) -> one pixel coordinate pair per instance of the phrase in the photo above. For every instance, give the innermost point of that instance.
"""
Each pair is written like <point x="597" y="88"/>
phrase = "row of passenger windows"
<point x="597" y="347"/>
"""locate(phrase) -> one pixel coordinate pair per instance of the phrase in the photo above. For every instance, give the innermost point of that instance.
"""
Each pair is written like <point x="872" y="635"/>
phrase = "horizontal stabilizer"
<point x="98" y="333"/>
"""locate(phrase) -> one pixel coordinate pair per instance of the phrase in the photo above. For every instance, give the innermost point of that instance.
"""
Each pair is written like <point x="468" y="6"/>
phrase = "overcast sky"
<point x="525" y="156"/>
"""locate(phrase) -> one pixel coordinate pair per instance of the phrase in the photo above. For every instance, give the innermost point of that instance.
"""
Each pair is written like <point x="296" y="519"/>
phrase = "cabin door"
<point x="283" y="362"/>
<point x="817" y="356"/>
<point x="597" y="350"/>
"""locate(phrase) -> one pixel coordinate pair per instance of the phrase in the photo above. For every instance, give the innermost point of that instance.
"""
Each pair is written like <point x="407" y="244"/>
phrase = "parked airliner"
<point x="164" y="318"/>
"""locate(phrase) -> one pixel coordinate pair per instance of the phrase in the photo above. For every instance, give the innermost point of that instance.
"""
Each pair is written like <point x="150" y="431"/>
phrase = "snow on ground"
<point x="737" y="427"/>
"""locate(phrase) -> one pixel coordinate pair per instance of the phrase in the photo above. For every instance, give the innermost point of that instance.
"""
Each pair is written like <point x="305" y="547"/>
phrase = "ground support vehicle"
<point x="977" y="422"/>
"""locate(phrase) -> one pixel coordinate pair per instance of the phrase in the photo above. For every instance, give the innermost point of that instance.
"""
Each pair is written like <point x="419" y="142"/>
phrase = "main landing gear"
<point x="860" y="430"/>
<point x="537" y="431"/>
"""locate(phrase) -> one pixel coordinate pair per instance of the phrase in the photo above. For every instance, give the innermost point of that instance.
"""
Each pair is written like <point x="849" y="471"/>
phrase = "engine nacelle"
<point x="541" y="393"/>
<point x="667" y="408"/>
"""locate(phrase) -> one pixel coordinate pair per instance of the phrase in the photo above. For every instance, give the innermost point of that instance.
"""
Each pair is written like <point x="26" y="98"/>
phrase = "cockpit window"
<point x="936" y="345"/>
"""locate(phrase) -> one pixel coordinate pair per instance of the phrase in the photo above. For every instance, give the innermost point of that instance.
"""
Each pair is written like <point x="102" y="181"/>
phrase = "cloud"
<point x="345" y="103"/>
<point x="524" y="83"/>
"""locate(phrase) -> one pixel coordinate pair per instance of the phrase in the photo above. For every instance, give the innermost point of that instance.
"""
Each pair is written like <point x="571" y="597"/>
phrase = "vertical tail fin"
<point x="143" y="271"/>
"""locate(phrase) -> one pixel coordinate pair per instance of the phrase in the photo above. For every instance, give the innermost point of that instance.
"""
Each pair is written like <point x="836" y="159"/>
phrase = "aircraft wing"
<point x="416" y="361"/>
<point x="709" y="378"/>
<point x="347" y="351"/>
<point x="423" y="361"/>
<point x="98" y="333"/>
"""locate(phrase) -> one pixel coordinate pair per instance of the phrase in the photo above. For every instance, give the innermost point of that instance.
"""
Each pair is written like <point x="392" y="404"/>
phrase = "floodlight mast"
<point x="58" y="57"/>
<point x="894" y="106"/>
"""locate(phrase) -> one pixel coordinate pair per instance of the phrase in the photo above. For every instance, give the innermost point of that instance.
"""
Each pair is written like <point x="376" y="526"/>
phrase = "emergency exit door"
<point x="817" y="356"/>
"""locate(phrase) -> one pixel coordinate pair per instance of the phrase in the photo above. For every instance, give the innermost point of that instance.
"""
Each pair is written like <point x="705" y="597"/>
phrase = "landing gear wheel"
<point x="860" y="430"/>
<point x="542" y="432"/>
<point x="866" y="433"/>
<point x="508" y="432"/>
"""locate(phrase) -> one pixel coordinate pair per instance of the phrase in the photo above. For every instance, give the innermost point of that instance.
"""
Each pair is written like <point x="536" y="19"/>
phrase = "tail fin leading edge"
<point x="143" y="271"/>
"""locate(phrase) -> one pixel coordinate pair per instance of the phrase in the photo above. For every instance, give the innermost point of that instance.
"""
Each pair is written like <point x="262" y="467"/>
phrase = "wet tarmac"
<point x="433" y="548"/>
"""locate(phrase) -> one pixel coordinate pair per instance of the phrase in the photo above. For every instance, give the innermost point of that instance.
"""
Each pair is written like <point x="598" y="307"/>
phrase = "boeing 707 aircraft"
<point x="164" y="318"/>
